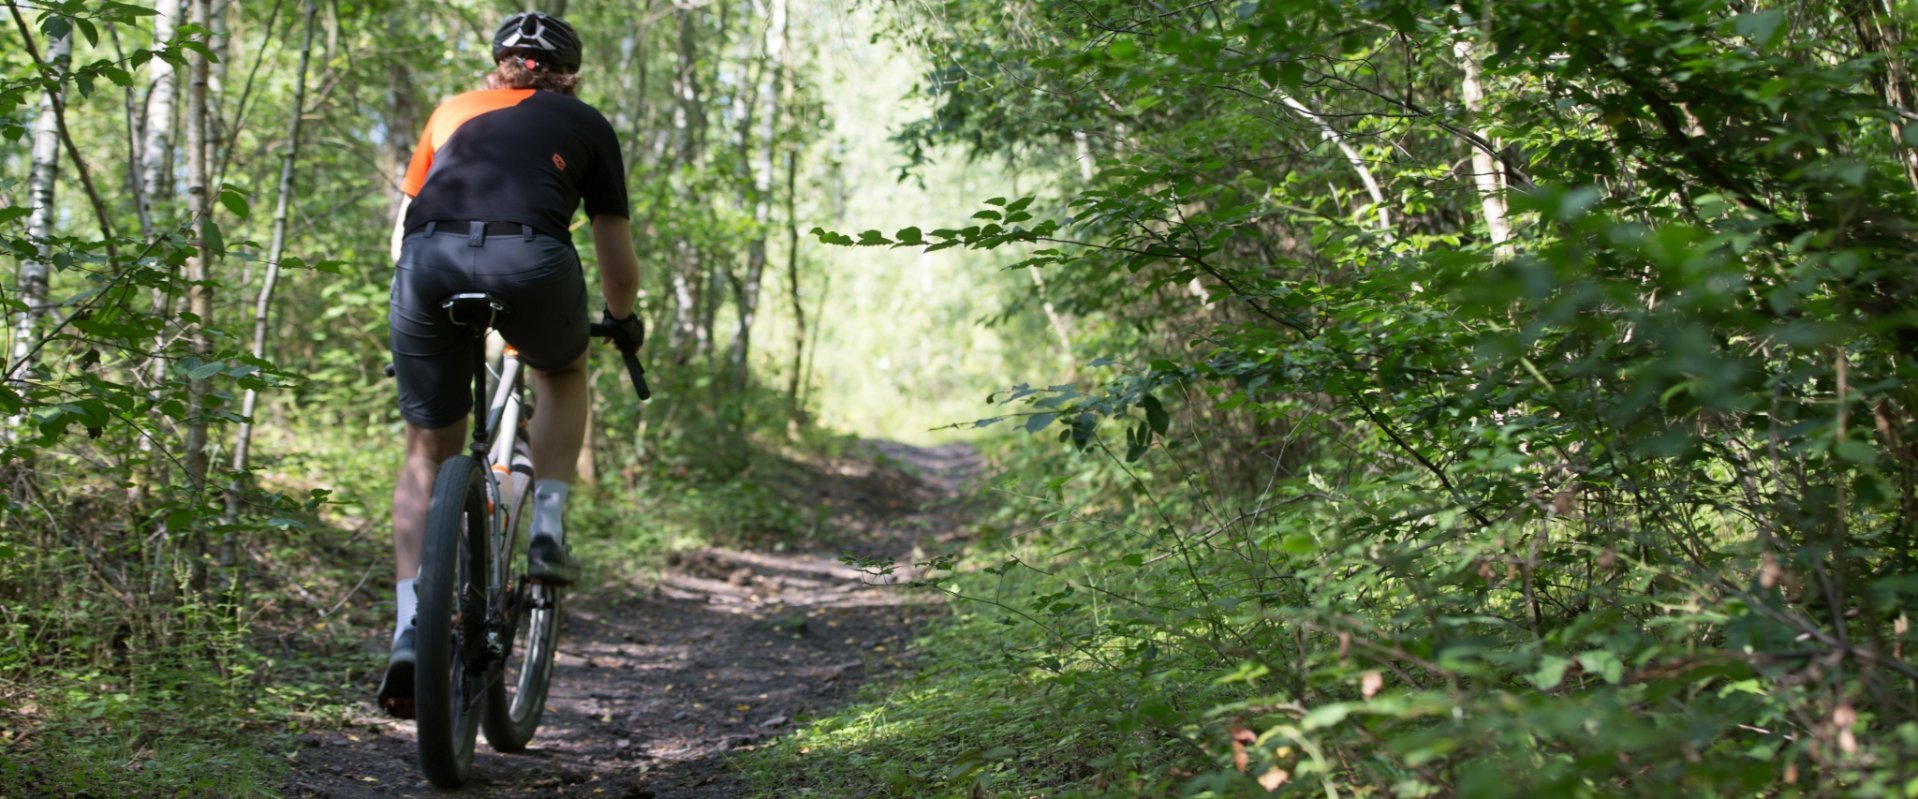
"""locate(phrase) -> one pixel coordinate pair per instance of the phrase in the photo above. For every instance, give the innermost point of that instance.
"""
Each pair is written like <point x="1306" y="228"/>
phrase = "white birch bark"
<point x="1488" y="175"/>
<point x="156" y="152"/>
<point x="200" y="292"/>
<point x="35" y="273"/>
<point x="1331" y="134"/>
<point x="747" y="297"/>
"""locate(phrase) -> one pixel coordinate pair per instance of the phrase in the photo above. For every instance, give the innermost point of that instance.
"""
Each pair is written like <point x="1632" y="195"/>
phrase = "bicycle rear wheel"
<point x="449" y="680"/>
<point x="516" y="701"/>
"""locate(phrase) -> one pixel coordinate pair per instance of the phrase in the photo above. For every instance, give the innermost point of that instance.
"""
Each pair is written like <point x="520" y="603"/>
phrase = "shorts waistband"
<point x="468" y="228"/>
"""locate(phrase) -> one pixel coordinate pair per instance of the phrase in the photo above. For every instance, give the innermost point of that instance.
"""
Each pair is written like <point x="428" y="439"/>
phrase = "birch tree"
<point x="42" y="176"/>
<point x="200" y="287"/>
<point x="156" y="150"/>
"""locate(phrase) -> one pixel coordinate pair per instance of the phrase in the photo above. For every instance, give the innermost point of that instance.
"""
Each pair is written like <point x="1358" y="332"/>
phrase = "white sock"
<point x="409" y="603"/>
<point x="549" y="508"/>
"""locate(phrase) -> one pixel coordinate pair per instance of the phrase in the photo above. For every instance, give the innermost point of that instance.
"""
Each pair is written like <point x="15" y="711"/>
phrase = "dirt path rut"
<point x="658" y="684"/>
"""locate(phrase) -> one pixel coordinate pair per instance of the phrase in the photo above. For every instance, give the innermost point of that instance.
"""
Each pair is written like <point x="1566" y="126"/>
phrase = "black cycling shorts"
<point x="535" y="275"/>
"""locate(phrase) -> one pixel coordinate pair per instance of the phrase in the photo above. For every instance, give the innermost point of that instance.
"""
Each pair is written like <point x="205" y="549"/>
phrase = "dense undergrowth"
<point x="1497" y="400"/>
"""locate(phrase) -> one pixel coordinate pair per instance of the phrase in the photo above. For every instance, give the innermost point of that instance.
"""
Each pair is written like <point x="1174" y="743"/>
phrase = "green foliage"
<point x="1616" y="503"/>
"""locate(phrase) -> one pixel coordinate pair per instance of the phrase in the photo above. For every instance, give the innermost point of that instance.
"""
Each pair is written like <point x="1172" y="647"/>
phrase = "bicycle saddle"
<point x="474" y="309"/>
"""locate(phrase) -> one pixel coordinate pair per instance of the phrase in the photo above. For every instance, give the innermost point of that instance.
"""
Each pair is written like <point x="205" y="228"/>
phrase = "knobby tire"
<point x="451" y="623"/>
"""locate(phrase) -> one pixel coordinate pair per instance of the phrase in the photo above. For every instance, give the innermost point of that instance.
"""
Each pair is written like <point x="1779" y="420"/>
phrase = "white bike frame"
<point x="507" y="481"/>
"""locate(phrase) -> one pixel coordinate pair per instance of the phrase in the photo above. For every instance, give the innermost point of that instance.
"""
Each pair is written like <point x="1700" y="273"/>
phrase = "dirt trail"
<point x="657" y="684"/>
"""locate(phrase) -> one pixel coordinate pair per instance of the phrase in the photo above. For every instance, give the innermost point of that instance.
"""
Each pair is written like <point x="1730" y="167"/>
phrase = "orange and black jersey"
<point x="515" y="155"/>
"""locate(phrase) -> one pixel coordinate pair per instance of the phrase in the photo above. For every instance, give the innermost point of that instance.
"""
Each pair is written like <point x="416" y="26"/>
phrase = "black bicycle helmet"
<point x="532" y="34"/>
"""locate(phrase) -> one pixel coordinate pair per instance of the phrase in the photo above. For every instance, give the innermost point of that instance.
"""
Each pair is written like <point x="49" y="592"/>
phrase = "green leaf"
<point x="1551" y="671"/>
<point x="909" y="236"/>
<point x="1299" y="544"/>
<point x="56" y="27"/>
<point x="1039" y="421"/>
<point x="235" y="202"/>
<point x="873" y="238"/>
<point x="1762" y="27"/>
<point x="1292" y="75"/>
<point x="986" y="214"/>
<point x="1604" y="663"/>
<point x="1123" y="49"/>
<point x="210" y="232"/>
<point x="1327" y="715"/>
<point x="829" y="237"/>
<point x="125" y="12"/>
<point x="1856" y="451"/>
<point x="1155" y="414"/>
<point x="206" y="370"/>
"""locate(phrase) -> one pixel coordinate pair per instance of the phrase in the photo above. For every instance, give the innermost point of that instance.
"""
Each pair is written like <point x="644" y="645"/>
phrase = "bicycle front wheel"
<point x="450" y="678"/>
<point x="516" y="701"/>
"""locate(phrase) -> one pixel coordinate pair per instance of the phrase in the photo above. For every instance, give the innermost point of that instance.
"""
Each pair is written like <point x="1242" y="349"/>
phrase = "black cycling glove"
<point x="627" y="334"/>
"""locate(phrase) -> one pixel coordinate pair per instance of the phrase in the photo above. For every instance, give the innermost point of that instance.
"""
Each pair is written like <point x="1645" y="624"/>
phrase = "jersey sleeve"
<point x="422" y="162"/>
<point x="603" y="187"/>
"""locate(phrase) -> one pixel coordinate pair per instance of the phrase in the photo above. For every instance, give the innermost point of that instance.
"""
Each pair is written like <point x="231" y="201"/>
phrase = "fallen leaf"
<point x="1273" y="778"/>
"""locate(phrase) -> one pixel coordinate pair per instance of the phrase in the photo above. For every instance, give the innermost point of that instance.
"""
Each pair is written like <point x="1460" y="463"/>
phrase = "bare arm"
<point x="399" y="227"/>
<point x="618" y="264"/>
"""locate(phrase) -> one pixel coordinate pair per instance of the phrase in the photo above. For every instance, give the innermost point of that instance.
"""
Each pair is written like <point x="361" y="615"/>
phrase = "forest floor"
<point x="658" y="682"/>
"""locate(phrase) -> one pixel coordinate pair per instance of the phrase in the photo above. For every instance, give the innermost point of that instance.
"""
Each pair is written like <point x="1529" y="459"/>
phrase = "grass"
<point x="979" y="718"/>
<point x="173" y="727"/>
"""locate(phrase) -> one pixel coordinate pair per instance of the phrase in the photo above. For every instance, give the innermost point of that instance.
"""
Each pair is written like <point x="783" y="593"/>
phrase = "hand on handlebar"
<point x="627" y="334"/>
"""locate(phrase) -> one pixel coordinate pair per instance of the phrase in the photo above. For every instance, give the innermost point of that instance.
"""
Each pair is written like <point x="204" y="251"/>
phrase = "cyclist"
<point x="490" y="195"/>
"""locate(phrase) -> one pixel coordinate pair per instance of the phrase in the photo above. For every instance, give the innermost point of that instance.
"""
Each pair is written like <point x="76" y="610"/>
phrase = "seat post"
<point x="464" y="310"/>
<point x="479" y="393"/>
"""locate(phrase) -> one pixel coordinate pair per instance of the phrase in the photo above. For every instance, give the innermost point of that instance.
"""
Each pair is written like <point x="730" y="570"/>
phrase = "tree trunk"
<point x="402" y="115"/>
<point x="746" y="289"/>
<point x="1891" y="76"/>
<point x="156" y="152"/>
<point x="242" y="439"/>
<point x="797" y="411"/>
<point x="131" y="98"/>
<point x="42" y="176"/>
<point x="685" y="335"/>
<point x="220" y="43"/>
<point x="200" y="290"/>
<point x="1488" y="176"/>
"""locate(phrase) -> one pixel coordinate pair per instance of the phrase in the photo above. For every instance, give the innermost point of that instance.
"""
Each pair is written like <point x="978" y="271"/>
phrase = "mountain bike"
<point x="487" y="635"/>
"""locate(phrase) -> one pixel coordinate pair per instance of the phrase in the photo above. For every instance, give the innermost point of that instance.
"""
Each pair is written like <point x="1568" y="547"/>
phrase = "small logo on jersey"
<point x="559" y="162"/>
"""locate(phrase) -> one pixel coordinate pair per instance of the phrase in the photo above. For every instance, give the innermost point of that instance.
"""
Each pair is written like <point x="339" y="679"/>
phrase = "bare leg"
<point x="559" y="422"/>
<point x="412" y="493"/>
